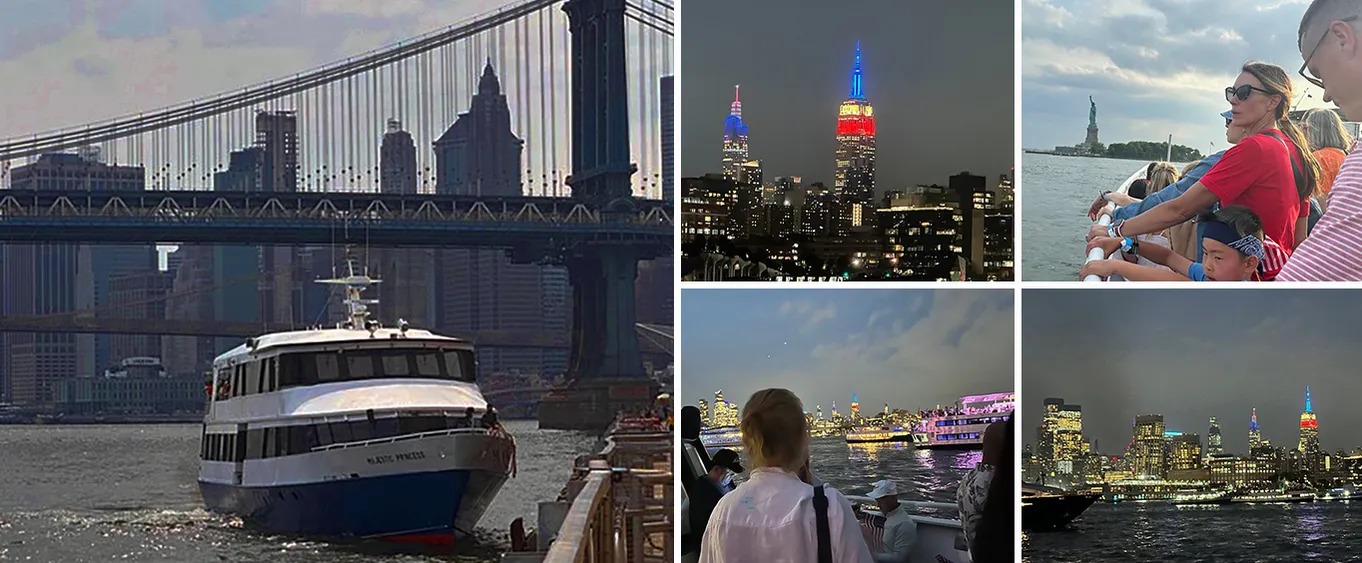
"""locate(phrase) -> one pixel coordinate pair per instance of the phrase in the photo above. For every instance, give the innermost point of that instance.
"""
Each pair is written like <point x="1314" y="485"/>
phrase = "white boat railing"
<point x="916" y="505"/>
<point x="400" y="438"/>
<point x="1104" y="220"/>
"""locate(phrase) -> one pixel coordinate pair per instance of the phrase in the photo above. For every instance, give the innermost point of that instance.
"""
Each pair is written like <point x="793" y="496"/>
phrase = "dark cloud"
<point x="939" y="75"/>
<point x="1193" y="354"/>
<point x="1154" y="67"/>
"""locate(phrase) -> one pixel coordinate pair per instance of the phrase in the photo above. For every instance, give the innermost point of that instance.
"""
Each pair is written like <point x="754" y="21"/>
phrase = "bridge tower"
<point x="605" y="368"/>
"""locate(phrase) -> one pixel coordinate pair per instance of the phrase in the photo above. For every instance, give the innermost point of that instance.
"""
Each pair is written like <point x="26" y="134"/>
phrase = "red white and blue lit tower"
<point x="855" y="182"/>
<point x="1309" y="443"/>
<point x="735" y="140"/>
<point x="855" y="407"/>
<point x="1255" y="436"/>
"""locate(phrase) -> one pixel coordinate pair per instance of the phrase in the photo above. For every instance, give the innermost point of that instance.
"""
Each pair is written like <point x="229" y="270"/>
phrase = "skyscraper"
<point x="704" y="412"/>
<point x="397" y="161"/>
<point x="668" y="137"/>
<point x="277" y="133"/>
<point x="479" y="154"/>
<point x="855" y="181"/>
<point x="1213" y="443"/>
<point x="1309" y="440"/>
<point x="973" y="198"/>
<point x="1147" y="456"/>
<point x="1255" y="437"/>
<point x="1061" y="437"/>
<point x="1184" y="451"/>
<point x="855" y="407"/>
<point x="735" y="139"/>
<point x="481" y="289"/>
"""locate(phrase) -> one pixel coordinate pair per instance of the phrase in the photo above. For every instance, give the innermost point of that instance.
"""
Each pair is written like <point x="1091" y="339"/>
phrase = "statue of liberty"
<point x="1092" y="112"/>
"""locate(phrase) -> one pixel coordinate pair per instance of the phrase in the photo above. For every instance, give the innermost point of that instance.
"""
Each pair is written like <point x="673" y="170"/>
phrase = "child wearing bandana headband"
<point x="1235" y="250"/>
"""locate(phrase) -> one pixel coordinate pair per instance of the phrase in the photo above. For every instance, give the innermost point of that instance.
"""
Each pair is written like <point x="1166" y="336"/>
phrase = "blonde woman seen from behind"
<point x="771" y="516"/>
<point x="1330" y="143"/>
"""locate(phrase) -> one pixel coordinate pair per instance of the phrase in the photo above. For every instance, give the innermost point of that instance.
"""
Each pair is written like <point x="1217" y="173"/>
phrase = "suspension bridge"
<point x="541" y="129"/>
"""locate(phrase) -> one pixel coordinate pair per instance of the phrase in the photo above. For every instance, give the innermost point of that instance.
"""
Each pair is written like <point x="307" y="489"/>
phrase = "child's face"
<point x="1223" y="263"/>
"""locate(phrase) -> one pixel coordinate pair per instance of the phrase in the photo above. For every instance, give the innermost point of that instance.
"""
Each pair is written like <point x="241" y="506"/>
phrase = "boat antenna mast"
<point x="357" y="308"/>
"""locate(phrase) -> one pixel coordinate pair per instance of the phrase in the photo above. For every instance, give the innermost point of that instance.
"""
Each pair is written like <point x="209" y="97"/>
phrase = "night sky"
<point x="1190" y="355"/>
<point x="939" y="75"/>
<point x="912" y="349"/>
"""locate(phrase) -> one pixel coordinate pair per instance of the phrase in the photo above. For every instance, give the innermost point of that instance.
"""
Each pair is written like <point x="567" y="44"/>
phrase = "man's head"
<point x="1232" y="239"/>
<point x="886" y="495"/>
<point x="725" y="460"/>
<point x="995" y="435"/>
<point x="1331" y="51"/>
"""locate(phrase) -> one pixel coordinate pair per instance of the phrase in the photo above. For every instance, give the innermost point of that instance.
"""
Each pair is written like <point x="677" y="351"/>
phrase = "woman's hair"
<point x="995" y="538"/>
<point x="1161" y="175"/>
<point x="1324" y="130"/>
<point x="1188" y="169"/>
<point x="1275" y="80"/>
<point x="774" y="430"/>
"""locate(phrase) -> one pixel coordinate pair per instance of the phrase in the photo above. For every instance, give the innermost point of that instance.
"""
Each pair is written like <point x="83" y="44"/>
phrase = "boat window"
<point x="361" y="366"/>
<point x="255" y="445"/>
<point x="395" y="365"/>
<point x="328" y="367"/>
<point x="323" y="435"/>
<point x="427" y="364"/>
<point x="271" y="381"/>
<point x="270" y="436"/>
<point x="340" y="432"/>
<point x="361" y="430"/>
<point x="460" y="365"/>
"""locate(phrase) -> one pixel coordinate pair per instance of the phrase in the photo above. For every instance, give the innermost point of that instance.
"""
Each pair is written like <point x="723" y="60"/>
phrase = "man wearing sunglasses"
<point x="1331" y="54"/>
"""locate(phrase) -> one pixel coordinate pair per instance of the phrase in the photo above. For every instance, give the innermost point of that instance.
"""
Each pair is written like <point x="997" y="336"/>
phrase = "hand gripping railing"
<point x="1104" y="220"/>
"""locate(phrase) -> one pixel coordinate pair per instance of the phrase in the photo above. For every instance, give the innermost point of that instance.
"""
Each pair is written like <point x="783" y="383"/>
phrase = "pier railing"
<point x="617" y="508"/>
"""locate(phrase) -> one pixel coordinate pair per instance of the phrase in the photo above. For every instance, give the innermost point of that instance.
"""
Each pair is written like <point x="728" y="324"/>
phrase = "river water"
<point x="1058" y="191"/>
<point x="129" y="493"/>
<point x="1265" y="533"/>
<point x="921" y="474"/>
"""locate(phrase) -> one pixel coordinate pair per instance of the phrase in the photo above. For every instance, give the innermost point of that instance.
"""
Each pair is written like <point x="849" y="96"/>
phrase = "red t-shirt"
<point x="1256" y="173"/>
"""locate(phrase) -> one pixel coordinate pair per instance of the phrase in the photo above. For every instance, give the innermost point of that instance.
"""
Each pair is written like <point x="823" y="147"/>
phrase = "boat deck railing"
<point x="1104" y="220"/>
<point x="916" y="505"/>
<point x="618" y="505"/>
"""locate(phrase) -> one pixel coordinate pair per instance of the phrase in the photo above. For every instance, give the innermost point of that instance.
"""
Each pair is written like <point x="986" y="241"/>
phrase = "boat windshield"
<point x="353" y="365"/>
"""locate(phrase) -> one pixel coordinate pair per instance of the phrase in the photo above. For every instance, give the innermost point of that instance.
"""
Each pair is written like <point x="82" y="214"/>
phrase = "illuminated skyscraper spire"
<point x="856" y="91"/>
<point x="735" y="139"/>
<point x="1307" y="399"/>
<point x="1255" y="437"/>
<point x="736" y="108"/>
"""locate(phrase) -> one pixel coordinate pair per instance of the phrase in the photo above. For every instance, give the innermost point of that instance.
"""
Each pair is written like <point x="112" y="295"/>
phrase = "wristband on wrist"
<point x="1126" y="244"/>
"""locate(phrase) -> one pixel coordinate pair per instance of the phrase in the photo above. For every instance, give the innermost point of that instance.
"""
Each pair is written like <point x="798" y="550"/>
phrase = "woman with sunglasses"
<point x="1271" y="171"/>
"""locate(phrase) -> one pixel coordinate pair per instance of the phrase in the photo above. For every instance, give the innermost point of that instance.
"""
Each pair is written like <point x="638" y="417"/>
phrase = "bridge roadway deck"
<point x="318" y="218"/>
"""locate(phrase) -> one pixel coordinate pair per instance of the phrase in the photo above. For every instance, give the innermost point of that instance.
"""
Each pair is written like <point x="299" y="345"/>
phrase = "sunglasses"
<point x="1244" y="91"/>
<point x="1304" y="71"/>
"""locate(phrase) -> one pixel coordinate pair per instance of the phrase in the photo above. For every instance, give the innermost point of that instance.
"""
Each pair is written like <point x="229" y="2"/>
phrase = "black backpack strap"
<point x="1291" y="152"/>
<point x="820" y="509"/>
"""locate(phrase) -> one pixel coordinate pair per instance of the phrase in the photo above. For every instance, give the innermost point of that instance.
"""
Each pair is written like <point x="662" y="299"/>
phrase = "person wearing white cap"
<point x="899" y="530"/>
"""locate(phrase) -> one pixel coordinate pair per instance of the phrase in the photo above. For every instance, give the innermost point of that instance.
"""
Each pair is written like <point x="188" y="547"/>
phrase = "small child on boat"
<point x="1233" y="241"/>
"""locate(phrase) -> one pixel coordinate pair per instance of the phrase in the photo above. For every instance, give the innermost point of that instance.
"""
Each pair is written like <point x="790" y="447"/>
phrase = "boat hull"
<point x="954" y="446"/>
<point x="417" y="489"/>
<point x="938" y="540"/>
<point x="903" y="439"/>
<point x="1048" y="512"/>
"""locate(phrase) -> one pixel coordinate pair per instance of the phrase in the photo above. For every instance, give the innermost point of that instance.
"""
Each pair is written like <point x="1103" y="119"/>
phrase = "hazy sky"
<point x="939" y="75"/>
<point x="1154" y="67"/>
<point x="71" y="62"/>
<point x="1190" y="355"/>
<point x="910" y="348"/>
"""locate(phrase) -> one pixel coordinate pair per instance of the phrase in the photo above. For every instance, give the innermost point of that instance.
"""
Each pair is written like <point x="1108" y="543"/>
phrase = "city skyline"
<point x="1168" y="338"/>
<point x="913" y="349"/>
<point x="791" y="109"/>
<point x="1146" y="86"/>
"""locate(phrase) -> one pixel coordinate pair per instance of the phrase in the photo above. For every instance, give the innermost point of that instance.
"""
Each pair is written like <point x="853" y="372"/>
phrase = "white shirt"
<point x="899" y="534"/>
<point x="770" y="518"/>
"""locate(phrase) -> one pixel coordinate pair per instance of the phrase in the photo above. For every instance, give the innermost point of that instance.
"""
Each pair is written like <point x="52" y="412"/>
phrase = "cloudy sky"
<point x="1154" y="67"/>
<point x="71" y="62"/>
<point x="1190" y="355"/>
<point x="938" y="74"/>
<point x="910" y="348"/>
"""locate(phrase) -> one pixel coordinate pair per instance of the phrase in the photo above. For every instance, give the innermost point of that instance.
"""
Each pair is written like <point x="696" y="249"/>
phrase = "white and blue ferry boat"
<point x="356" y="431"/>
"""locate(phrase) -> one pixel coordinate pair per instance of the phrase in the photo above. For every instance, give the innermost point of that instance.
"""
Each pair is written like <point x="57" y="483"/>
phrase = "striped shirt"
<point x="1333" y="251"/>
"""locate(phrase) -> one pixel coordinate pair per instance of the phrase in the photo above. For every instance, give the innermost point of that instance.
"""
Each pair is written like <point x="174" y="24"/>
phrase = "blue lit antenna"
<point x="856" y="91"/>
<point x="1307" y="399"/>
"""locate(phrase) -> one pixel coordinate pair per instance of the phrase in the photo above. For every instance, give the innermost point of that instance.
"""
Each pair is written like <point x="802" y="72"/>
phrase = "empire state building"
<point x="855" y="181"/>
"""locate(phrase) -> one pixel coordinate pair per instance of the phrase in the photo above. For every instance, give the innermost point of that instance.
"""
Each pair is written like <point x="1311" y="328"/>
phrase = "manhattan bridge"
<point x="296" y="161"/>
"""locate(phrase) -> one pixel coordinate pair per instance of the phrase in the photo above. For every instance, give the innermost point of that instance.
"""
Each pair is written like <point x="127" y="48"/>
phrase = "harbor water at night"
<point x="1159" y="531"/>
